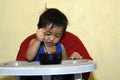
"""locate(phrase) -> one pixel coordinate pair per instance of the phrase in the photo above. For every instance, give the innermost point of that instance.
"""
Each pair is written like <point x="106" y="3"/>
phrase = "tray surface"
<point x="30" y="64"/>
<point x="34" y="68"/>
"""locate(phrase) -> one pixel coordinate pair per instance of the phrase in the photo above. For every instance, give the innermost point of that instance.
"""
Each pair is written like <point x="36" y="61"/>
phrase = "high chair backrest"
<point x="70" y="41"/>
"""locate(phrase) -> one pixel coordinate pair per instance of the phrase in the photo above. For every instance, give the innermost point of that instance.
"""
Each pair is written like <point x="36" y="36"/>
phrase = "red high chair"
<point x="71" y="43"/>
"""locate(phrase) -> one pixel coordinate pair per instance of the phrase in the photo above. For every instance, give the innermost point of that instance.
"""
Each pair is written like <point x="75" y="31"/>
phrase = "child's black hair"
<point x="54" y="17"/>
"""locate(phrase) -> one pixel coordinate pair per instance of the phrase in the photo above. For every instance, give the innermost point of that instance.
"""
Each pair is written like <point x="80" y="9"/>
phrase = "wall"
<point x="95" y="22"/>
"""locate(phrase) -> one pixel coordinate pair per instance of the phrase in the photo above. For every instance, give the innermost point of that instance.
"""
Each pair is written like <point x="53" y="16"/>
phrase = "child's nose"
<point x="52" y="37"/>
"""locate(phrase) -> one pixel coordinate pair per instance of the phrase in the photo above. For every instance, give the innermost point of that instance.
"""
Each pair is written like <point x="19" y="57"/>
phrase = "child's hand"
<point x="40" y="34"/>
<point x="75" y="55"/>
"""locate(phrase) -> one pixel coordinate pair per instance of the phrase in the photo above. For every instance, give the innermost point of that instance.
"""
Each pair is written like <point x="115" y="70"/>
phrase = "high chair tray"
<point x="34" y="68"/>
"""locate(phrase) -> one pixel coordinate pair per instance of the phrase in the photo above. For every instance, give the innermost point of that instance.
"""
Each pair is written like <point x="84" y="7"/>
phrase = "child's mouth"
<point x="50" y="43"/>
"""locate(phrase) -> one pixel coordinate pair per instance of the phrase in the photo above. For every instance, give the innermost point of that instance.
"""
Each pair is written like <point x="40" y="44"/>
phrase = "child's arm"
<point x="34" y="45"/>
<point x="32" y="49"/>
<point x="64" y="55"/>
<point x="74" y="55"/>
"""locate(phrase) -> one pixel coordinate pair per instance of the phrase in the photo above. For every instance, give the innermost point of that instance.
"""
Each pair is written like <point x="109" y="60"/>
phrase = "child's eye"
<point x="48" y="34"/>
<point x="58" y="36"/>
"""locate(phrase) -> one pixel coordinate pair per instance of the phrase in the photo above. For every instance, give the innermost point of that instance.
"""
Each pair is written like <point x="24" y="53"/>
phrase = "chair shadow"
<point x="92" y="77"/>
<point x="7" y="78"/>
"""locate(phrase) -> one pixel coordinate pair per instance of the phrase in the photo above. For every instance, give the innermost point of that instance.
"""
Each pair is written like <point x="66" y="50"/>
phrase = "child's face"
<point x="52" y="36"/>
